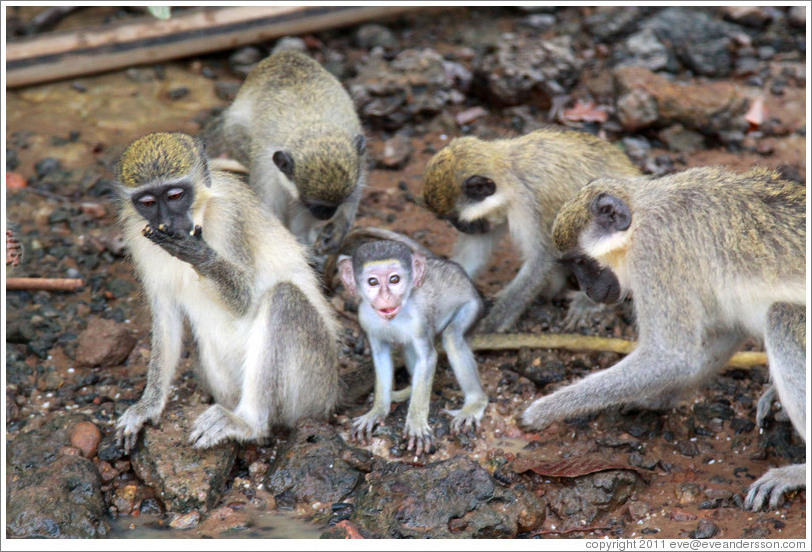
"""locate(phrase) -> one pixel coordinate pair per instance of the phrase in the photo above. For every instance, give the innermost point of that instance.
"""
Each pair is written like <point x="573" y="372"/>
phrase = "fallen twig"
<point x="576" y="342"/>
<point x="46" y="284"/>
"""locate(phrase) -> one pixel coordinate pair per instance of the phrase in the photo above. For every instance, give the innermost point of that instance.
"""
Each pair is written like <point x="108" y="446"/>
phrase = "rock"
<point x="639" y="510"/>
<point x="612" y="22"/>
<point x="185" y="521"/>
<point x="537" y="21"/>
<point x="797" y="16"/>
<point x="124" y="498"/>
<point x="373" y="35"/>
<point x="749" y="16"/>
<point x="185" y="478"/>
<point x="705" y="529"/>
<point x="681" y="140"/>
<point x="527" y="67"/>
<point x="394" y="153"/>
<point x="637" y="148"/>
<point x="34" y="449"/>
<point x="316" y="465"/>
<point x="224" y="519"/>
<point x="290" y="44"/>
<point x="702" y="43"/>
<point x="104" y="343"/>
<point x="86" y="437"/>
<point x="454" y="498"/>
<point x="346" y="530"/>
<point x="711" y="108"/>
<point x="60" y="500"/>
<point x="645" y="50"/>
<point x="687" y="493"/>
<point x="412" y="86"/>
<point x="589" y="496"/>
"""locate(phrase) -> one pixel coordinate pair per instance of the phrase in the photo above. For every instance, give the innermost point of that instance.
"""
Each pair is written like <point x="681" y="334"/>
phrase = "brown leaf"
<point x="571" y="467"/>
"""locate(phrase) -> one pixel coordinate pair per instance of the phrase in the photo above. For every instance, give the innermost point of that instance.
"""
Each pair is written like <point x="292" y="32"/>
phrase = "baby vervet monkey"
<point x="712" y="258"/>
<point x="205" y="251"/>
<point x="408" y="297"/>
<point x="294" y="126"/>
<point x="488" y="189"/>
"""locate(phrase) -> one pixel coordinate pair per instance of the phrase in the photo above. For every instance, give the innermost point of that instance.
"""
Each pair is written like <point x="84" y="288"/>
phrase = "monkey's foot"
<point x="540" y="414"/>
<point x="467" y="418"/>
<point x="494" y="323"/>
<point x="218" y="424"/>
<point x="130" y="423"/>
<point x="419" y="435"/>
<point x="362" y="426"/>
<point x="773" y="485"/>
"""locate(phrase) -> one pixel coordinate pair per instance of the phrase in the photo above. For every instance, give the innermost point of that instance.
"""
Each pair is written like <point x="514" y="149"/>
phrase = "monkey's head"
<point x="160" y="175"/>
<point x="592" y="230"/>
<point x="462" y="186"/>
<point x="383" y="273"/>
<point x="324" y="169"/>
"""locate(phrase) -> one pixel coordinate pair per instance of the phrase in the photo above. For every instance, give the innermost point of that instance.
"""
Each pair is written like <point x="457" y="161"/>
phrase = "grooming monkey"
<point x="712" y="258"/>
<point x="206" y="251"/>
<point x="408" y="297"/>
<point x="487" y="189"/>
<point x="295" y="128"/>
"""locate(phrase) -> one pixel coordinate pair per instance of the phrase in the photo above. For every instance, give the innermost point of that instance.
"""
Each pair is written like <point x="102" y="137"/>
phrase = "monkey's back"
<point x="446" y="289"/>
<point x="288" y="93"/>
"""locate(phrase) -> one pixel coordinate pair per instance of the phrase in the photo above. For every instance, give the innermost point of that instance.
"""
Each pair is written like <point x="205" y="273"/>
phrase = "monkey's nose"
<point x="322" y="211"/>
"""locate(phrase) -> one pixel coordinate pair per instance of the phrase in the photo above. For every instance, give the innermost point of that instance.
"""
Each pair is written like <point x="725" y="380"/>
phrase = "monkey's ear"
<point x="478" y="187"/>
<point x="418" y="269"/>
<point x="347" y="275"/>
<point x="284" y="161"/>
<point x="360" y="144"/>
<point x="611" y="212"/>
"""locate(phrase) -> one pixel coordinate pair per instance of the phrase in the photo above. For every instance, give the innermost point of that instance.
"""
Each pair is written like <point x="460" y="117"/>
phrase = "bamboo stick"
<point x="576" y="342"/>
<point x="62" y="55"/>
<point x="46" y="284"/>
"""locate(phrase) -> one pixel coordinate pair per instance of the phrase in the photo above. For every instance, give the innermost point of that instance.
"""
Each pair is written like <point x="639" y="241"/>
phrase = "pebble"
<point x="705" y="529"/>
<point x="186" y="521"/>
<point x="86" y="437"/>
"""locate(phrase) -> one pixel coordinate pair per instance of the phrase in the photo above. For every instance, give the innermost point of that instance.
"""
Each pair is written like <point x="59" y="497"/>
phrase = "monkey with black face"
<point x="295" y="128"/>
<point x="204" y="250"/>
<point x="711" y="258"/>
<point x="408" y="298"/>
<point x="487" y="189"/>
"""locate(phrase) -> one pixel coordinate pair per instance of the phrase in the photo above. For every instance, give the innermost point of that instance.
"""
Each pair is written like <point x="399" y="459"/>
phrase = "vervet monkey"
<point x="409" y="297"/>
<point x="487" y="189"/>
<point x="205" y="250"/>
<point x="294" y="126"/>
<point x="712" y="258"/>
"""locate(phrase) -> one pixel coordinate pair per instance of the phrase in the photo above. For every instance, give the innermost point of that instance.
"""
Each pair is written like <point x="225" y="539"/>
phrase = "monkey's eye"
<point x="175" y="194"/>
<point x="147" y="200"/>
<point x="394" y="279"/>
<point x="373" y="282"/>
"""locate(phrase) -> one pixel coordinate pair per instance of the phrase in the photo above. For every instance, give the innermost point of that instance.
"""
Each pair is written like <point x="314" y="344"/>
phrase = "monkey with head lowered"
<point x="408" y="297"/>
<point x="489" y="188"/>
<point x="206" y="251"/>
<point x="712" y="258"/>
<point x="295" y="128"/>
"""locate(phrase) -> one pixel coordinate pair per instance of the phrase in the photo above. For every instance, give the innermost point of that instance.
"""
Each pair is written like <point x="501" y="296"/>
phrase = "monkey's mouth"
<point x="478" y="226"/>
<point x="389" y="313"/>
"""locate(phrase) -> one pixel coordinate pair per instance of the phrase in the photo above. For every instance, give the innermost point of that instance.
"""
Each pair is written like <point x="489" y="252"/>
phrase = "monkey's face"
<point x="385" y="285"/>
<point x="166" y="206"/>
<point x="599" y="283"/>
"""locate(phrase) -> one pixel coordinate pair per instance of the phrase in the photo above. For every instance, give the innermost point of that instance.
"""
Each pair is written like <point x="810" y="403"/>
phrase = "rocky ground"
<point x="674" y="87"/>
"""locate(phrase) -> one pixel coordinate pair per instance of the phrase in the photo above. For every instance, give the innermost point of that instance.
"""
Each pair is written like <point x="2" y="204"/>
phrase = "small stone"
<point x="104" y="343"/>
<point x="86" y="437"/>
<point x="15" y="181"/>
<point x="124" y="498"/>
<point x="705" y="529"/>
<point x="678" y="514"/>
<point x="373" y="35"/>
<point x="639" y="510"/>
<point x="290" y="44"/>
<point x="178" y="93"/>
<point x="687" y="493"/>
<point x="185" y="521"/>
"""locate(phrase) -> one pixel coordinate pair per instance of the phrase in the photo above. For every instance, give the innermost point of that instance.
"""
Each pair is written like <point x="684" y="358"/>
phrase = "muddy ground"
<point x="419" y="80"/>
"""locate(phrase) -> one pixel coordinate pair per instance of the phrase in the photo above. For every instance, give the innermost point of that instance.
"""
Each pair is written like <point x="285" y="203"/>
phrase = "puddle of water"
<point x="264" y="525"/>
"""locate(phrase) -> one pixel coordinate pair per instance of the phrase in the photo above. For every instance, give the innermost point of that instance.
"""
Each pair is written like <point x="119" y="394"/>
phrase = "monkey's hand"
<point x="581" y="310"/>
<point x="764" y="406"/>
<point x="216" y="425"/>
<point x="467" y="418"/>
<point x="130" y="423"/>
<point x="362" y="426"/>
<point x="327" y="241"/>
<point x="773" y="485"/>
<point x="419" y="434"/>
<point x="189" y="248"/>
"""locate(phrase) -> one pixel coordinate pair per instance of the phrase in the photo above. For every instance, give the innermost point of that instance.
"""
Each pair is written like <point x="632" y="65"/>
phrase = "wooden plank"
<point x="64" y="55"/>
